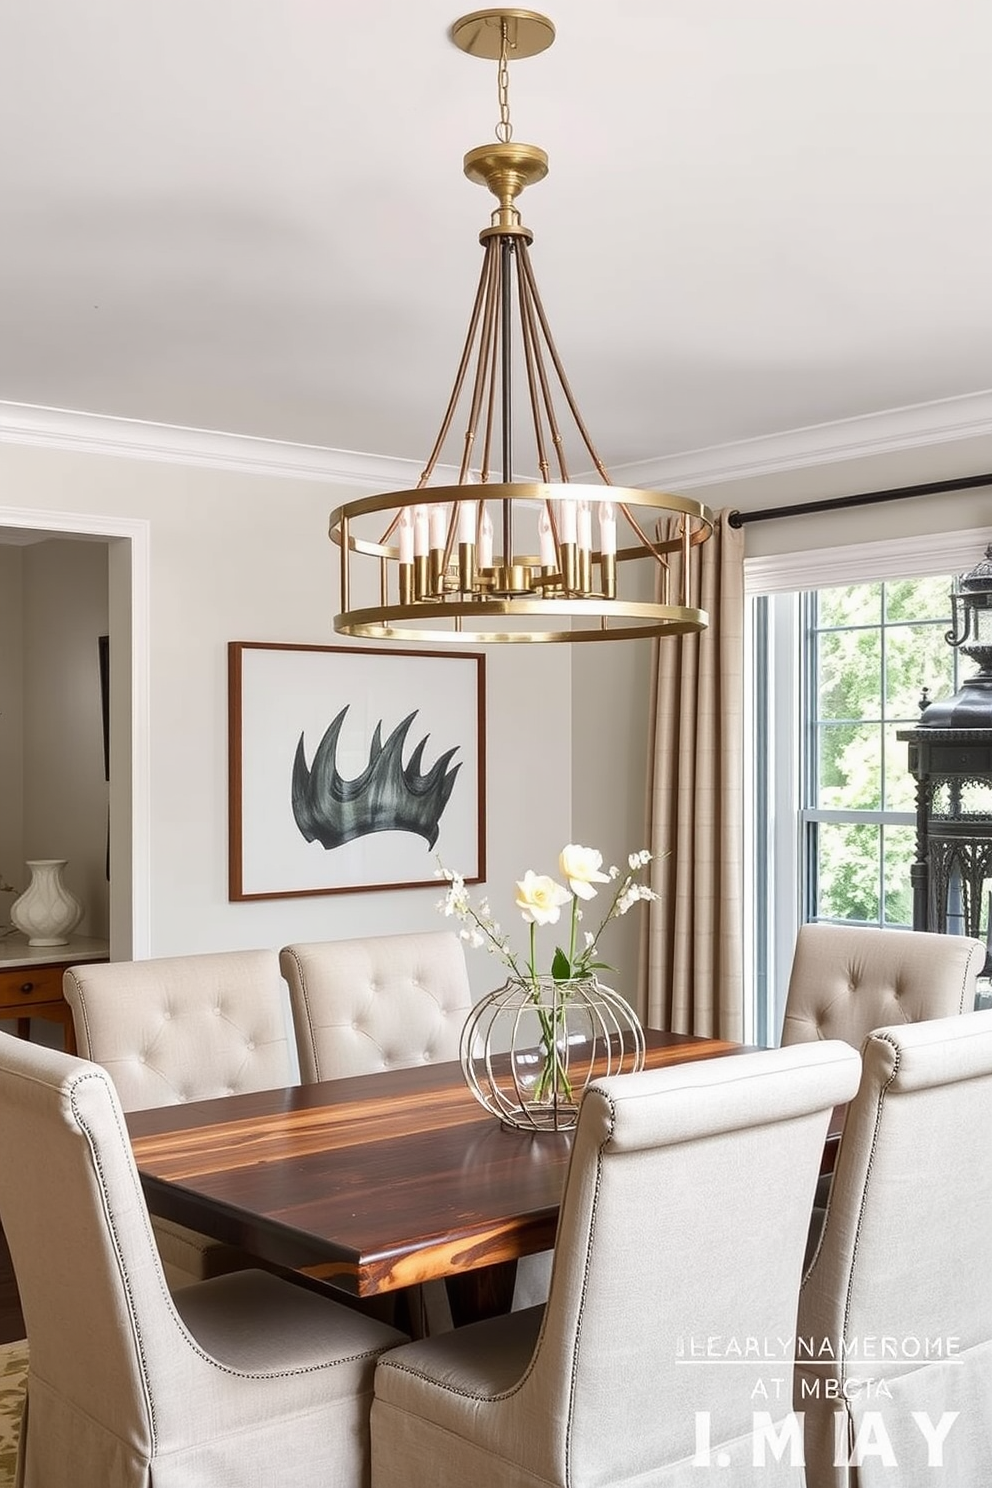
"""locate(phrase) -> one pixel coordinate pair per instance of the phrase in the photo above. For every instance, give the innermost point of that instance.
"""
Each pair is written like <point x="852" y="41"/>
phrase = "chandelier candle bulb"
<point x="438" y="525"/>
<point x="466" y="522"/>
<point x="583" y="525"/>
<point x="421" y="532"/>
<point x="567" y="520"/>
<point x="406" y="535"/>
<point x="608" y="529"/>
<point x="546" y="540"/>
<point x="485" y="539"/>
<point x="584" y="531"/>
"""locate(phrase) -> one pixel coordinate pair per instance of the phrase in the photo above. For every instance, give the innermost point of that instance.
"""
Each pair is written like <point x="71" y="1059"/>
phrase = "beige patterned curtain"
<point x="694" y="931"/>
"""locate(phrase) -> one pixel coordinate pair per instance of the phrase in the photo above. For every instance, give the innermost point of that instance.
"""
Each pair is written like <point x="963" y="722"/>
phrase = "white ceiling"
<point x="251" y="217"/>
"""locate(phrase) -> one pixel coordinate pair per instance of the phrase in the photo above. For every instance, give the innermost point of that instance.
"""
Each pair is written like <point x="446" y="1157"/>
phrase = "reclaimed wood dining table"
<point x="372" y="1183"/>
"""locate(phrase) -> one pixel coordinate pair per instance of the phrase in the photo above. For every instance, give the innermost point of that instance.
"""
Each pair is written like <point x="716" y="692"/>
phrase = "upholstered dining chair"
<point x="848" y="979"/>
<point x="183" y="1028"/>
<point x="244" y="1379"/>
<point x="680" y="1238"/>
<point x="378" y="1003"/>
<point x="384" y="1002"/>
<point x="895" y="1313"/>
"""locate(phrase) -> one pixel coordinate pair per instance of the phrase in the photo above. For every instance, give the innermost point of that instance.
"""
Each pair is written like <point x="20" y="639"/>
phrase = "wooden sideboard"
<point x="31" y="981"/>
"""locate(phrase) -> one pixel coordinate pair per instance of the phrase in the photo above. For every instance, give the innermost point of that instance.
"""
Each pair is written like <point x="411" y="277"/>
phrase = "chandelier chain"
<point x="504" y="129"/>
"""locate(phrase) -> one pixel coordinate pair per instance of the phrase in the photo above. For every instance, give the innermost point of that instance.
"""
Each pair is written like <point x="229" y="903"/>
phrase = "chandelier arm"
<point x="490" y="321"/>
<point x="449" y="412"/>
<point x="532" y="362"/>
<point x="486" y="338"/>
<point x="485" y="469"/>
<point x="560" y="370"/>
<point x="490" y="280"/>
<point x="649" y="546"/>
<point x="549" y="403"/>
<point x="686" y="555"/>
<point x="506" y="386"/>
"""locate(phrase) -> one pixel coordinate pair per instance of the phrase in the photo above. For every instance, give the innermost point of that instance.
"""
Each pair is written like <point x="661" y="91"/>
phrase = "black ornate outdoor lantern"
<point x="950" y="755"/>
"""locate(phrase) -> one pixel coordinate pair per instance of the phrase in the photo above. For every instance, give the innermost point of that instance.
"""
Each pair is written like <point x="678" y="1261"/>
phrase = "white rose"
<point x="540" y="899"/>
<point x="582" y="866"/>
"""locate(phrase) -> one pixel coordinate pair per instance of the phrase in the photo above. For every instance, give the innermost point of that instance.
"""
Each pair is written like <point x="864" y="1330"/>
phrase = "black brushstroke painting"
<point x="387" y="796"/>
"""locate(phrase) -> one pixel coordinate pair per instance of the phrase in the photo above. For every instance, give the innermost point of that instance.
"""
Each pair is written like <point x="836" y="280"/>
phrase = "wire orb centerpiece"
<point x="529" y="1049"/>
<point x="495" y="556"/>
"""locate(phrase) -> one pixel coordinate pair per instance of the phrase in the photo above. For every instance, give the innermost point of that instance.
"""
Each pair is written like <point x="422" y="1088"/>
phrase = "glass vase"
<point x="529" y="1049"/>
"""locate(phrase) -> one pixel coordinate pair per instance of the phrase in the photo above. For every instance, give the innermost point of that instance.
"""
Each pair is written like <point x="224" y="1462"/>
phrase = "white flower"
<point x="590" y="940"/>
<point x="581" y="867"/>
<point x="540" y="899"/>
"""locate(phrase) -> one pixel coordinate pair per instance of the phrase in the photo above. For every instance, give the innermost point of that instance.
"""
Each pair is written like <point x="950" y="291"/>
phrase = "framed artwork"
<point x="353" y="769"/>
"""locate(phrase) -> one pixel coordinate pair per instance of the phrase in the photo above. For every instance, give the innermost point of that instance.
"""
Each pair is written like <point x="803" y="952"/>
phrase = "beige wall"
<point x="246" y="557"/>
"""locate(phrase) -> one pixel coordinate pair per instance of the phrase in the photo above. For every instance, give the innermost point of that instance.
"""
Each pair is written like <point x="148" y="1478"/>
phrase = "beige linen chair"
<point x="245" y="1379"/>
<point x="386" y="1002"/>
<point x="904" y="1257"/>
<point x="680" y="1238"/>
<point x="848" y="979"/>
<point x="184" y="1028"/>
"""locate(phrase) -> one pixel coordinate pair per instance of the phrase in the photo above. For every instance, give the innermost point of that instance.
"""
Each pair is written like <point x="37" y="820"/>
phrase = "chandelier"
<point x="496" y="556"/>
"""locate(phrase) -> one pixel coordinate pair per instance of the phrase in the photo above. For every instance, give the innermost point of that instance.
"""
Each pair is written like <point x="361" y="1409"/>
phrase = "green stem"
<point x="554" y="1075"/>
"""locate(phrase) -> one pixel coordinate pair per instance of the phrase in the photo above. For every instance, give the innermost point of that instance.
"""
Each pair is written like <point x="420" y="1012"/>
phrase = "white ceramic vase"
<point x="46" y="912"/>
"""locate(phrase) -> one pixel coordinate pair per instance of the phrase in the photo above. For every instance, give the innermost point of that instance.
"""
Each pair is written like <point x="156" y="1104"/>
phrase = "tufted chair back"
<point x="387" y="1002"/>
<point x="183" y="1027"/>
<point x="243" y="1379"/>
<point x="895" y="1312"/>
<point x="667" y="1266"/>
<point x="849" y="979"/>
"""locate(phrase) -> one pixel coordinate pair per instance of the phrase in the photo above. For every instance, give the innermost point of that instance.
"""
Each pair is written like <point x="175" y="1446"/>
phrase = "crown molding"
<point x="97" y="434"/>
<point x="944" y="422"/>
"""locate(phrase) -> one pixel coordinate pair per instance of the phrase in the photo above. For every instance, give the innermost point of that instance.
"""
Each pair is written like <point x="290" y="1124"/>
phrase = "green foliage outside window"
<point x="873" y="649"/>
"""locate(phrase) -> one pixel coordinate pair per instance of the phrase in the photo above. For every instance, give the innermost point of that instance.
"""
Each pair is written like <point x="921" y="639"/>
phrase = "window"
<point x="868" y="652"/>
<point x="842" y="643"/>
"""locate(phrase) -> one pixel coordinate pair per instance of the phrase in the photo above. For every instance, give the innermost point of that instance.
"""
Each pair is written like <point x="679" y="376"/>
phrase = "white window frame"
<point x="785" y="576"/>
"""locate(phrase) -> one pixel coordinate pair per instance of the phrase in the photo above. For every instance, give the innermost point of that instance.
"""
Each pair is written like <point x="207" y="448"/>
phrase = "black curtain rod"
<point x="866" y="498"/>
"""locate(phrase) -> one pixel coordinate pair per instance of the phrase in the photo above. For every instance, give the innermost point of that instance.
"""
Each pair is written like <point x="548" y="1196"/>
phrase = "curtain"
<point x="694" y="936"/>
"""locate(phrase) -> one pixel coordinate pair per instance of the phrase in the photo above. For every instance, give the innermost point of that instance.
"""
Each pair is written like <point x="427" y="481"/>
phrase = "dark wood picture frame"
<point x="353" y="769"/>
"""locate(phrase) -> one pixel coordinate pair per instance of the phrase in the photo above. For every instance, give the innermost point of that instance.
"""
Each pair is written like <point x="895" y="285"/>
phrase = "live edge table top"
<point x="372" y="1183"/>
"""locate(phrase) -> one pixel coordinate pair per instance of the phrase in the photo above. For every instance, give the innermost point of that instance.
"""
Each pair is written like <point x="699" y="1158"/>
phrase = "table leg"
<point x="486" y="1292"/>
